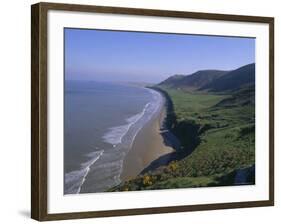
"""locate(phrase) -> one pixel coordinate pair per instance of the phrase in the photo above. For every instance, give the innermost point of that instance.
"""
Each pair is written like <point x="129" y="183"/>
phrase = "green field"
<point x="217" y="135"/>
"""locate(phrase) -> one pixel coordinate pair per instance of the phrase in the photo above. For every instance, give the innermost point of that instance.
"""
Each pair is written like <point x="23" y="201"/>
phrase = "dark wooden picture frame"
<point x="39" y="149"/>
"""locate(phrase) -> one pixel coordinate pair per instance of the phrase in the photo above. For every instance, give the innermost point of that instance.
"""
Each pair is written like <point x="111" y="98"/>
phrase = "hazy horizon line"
<point x="128" y="81"/>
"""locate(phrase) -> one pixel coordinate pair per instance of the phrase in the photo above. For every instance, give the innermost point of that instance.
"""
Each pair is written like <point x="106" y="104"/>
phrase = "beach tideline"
<point x="148" y="146"/>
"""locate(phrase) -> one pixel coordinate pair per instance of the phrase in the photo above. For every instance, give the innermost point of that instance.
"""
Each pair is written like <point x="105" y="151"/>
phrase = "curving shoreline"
<point x="148" y="146"/>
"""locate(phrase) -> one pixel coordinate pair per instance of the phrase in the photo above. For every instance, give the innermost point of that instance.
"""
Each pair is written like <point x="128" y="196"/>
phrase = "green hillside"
<point x="233" y="80"/>
<point x="193" y="81"/>
<point x="213" y="80"/>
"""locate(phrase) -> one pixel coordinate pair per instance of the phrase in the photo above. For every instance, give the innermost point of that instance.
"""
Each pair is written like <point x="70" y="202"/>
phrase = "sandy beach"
<point x="147" y="147"/>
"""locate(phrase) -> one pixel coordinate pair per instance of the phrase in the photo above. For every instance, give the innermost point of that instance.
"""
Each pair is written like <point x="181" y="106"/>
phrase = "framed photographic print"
<point x="140" y="111"/>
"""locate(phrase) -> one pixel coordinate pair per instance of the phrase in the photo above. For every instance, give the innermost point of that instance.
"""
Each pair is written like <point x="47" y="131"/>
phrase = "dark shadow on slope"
<point x="182" y="136"/>
<point x="161" y="161"/>
<point x="244" y="176"/>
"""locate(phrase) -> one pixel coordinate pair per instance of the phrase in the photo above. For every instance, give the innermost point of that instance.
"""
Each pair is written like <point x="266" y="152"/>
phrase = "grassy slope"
<point x="233" y="80"/>
<point x="224" y="125"/>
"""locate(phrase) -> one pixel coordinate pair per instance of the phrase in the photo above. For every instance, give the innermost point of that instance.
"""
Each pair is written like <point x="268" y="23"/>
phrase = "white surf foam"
<point x="115" y="134"/>
<point x="75" y="179"/>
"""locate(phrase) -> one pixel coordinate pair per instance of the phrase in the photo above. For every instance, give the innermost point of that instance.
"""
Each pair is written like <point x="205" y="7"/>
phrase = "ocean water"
<point x="101" y="121"/>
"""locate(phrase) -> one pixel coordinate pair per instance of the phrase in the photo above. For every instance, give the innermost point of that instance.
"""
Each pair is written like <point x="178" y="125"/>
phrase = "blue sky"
<point x="149" y="57"/>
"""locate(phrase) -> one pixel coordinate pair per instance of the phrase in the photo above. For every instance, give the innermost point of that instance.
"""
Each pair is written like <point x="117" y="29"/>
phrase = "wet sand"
<point x="147" y="147"/>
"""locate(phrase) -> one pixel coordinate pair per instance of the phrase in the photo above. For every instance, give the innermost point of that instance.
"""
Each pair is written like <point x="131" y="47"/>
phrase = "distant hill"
<point x="213" y="80"/>
<point x="173" y="81"/>
<point x="193" y="81"/>
<point x="233" y="80"/>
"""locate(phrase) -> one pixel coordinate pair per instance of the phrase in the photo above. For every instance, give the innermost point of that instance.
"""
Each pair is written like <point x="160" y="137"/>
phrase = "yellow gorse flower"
<point x="147" y="180"/>
<point x="173" y="166"/>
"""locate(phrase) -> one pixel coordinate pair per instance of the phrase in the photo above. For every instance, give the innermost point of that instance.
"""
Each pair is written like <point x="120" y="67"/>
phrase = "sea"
<point x="101" y="121"/>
